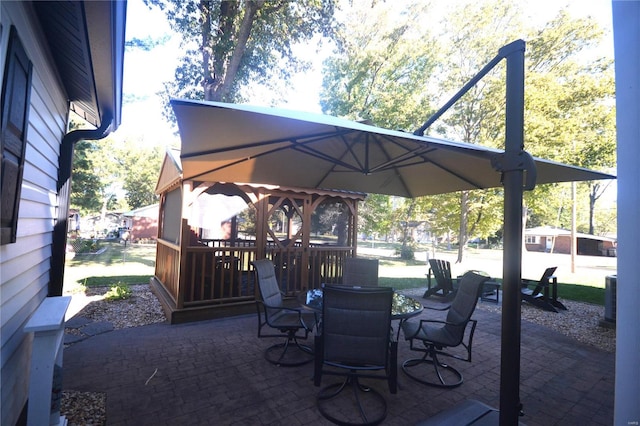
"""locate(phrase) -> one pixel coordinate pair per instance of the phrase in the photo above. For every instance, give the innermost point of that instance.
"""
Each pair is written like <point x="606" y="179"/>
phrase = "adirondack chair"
<point x="444" y="284"/>
<point x="544" y="293"/>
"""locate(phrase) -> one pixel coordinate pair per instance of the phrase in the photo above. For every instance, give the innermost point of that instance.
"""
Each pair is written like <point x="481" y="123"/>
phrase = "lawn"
<point x="116" y="263"/>
<point x="134" y="264"/>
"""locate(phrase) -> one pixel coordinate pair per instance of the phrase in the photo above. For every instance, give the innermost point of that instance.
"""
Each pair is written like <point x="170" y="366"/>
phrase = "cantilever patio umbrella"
<point x="235" y="143"/>
<point x="240" y="143"/>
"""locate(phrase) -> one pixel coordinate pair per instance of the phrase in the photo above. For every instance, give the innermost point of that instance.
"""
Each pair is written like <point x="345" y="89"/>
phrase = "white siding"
<point x="25" y="264"/>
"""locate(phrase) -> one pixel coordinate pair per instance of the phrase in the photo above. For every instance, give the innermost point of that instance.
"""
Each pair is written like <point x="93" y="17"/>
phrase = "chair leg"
<point x="279" y="354"/>
<point x="370" y="405"/>
<point x="442" y="371"/>
<point x="540" y="303"/>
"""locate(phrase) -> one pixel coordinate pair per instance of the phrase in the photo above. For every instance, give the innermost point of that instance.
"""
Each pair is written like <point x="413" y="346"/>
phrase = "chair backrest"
<point x="356" y="325"/>
<point x="442" y="272"/>
<point x="548" y="273"/>
<point x="464" y="304"/>
<point x="360" y="272"/>
<point x="544" y="280"/>
<point x="267" y="282"/>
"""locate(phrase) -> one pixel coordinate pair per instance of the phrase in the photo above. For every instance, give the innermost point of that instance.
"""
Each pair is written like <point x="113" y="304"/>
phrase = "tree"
<point x="367" y="79"/>
<point x="229" y="44"/>
<point x="383" y="66"/>
<point x="86" y="187"/>
<point x="570" y="102"/>
<point x="374" y="215"/>
<point x="140" y="170"/>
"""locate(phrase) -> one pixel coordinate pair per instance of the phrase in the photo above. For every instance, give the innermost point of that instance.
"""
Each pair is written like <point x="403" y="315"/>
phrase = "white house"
<point x="55" y="57"/>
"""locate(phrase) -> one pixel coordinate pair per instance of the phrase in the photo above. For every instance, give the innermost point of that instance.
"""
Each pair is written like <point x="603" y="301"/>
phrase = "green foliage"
<point x="109" y="167"/>
<point x="229" y="44"/>
<point x="118" y="291"/>
<point x="139" y="173"/>
<point x="389" y="72"/>
<point x="385" y="62"/>
<point x="374" y="215"/>
<point x="407" y="252"/>
<point x="86" y="187"/>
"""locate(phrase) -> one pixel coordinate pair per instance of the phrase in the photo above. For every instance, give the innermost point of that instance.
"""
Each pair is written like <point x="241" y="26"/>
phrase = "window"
<point x="532" y="239"/>
<point x="16" y="88"/>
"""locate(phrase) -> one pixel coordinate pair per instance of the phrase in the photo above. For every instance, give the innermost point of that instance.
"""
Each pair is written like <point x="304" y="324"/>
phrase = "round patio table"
<point x="402" y="307"/>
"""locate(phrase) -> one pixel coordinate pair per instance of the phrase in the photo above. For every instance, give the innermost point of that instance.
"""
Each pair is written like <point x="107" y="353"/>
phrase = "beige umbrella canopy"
<point x="239" y="143"/>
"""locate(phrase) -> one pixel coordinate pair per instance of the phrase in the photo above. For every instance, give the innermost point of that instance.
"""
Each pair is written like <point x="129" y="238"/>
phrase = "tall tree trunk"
<point x="593" y="197"/>
<point x="405" y="253"/>
<point x="462" y="233"/>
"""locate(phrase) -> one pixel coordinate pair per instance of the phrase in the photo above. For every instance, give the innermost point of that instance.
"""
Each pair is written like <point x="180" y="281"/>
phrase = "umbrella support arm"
<point x="503" y="53"/>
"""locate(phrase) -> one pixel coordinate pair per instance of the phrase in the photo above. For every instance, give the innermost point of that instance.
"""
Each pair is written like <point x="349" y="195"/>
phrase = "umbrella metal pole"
<point x="512" y="267"/>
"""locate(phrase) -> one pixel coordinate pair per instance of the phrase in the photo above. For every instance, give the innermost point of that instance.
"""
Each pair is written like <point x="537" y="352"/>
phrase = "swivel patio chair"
<point x="438" y="337"/>
<point x="289" y="321"/>
<point x="356" y="342"/>
<point x="539" y="295"/>
<point x="444" y="284"/>
<point x="360" y="272"/>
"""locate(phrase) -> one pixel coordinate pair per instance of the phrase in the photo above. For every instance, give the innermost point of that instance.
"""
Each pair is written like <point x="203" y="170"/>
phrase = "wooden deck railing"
<point x="168" y="266"/>
<point x="223" y="275"/>
<point x="218" y="275"/>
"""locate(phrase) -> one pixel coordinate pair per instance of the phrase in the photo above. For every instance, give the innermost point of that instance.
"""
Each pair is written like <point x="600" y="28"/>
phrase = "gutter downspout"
<point x="59" y="244"/>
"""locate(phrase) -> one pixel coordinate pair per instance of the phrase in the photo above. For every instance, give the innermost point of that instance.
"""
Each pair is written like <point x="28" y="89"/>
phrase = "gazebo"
<point x="210" y="232"/>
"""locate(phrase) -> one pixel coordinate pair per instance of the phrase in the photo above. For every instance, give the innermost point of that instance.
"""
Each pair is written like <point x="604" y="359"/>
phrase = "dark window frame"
<point x="15" y="104"/>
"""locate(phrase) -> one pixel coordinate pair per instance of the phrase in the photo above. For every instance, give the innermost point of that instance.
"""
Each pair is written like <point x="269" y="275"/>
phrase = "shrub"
<point x="118" y="291"/>
<point x="82" y="245"/>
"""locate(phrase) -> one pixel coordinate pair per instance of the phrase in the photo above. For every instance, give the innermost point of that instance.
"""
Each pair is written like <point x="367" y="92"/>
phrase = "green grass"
<point x="106" y="281"/>
<point x="575" y="292"/>
<point x="401" y="283"/>
<point x="581" y="293"/>
<point x="118" y="264"/>
<point x="135" y="265"/>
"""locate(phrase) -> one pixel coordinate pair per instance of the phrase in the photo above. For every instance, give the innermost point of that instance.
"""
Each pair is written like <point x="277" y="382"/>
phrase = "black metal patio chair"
<point x="289" y="321"/>
<point x="356" y="341"/>
<point x="438" y="336"/>
<point x="360" y="271"/>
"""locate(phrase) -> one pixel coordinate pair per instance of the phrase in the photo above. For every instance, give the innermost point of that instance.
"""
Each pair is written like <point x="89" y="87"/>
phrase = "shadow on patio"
<point x="213" y="372"/>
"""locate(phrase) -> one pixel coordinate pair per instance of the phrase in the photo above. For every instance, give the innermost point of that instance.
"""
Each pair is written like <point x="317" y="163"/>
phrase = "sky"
<point x="145" y="72"/>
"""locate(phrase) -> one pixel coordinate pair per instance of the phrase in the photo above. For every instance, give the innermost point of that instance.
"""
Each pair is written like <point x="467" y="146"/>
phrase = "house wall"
<point x="25" y="264"/>
<point x="562" y="244"/>
<point x="144" y="228"/>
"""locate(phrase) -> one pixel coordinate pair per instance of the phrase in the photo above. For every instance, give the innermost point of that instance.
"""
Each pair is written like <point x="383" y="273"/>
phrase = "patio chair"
<point x="360" y="272"/>
<point x="356" y="341"/>
<point x="544" y="294"/>
<point x="289" y="321"/>
<point x="438" y="337"/>
<point x="444" y="284"/>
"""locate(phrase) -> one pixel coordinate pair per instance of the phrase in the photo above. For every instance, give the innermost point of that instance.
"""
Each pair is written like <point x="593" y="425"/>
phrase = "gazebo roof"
<point x="171" y="176"/>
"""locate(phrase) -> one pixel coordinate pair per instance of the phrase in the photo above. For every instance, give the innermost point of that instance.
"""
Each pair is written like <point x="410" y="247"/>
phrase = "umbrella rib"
<point x="291" y="140"/>
<point x="419" y="152"/>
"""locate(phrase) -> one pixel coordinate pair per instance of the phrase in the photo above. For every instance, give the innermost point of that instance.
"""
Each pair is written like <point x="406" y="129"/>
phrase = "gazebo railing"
<point x="223" y="275"/>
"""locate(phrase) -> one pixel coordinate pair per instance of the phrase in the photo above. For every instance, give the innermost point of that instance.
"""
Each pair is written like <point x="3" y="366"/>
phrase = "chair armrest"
<point x="445" y="308"/>
<point x="419" y="327"/>
<point x="456" y="324"/>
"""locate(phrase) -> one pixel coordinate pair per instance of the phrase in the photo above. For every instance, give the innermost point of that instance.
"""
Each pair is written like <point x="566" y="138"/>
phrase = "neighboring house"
<point x="100" y="226"/>
<point x="556" y="240"/>
<point x="143" y="222"/>
<point x="55" y="57"/>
